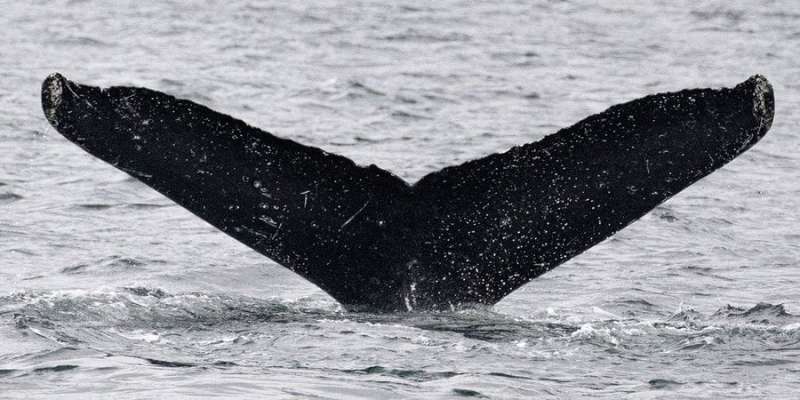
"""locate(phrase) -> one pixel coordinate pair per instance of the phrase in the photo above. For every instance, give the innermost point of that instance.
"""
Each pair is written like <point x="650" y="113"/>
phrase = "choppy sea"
<point x="109" y="290"/>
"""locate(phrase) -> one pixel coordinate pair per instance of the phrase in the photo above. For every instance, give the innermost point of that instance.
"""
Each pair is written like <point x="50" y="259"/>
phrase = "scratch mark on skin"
<point x="132" y="172"/>
<point x="274" y="235"/>
<point x="269" y="221"/>
<point x="305" y="198"/>
<point x="79" y="97"/>
<point x="349" y="220"/>
<point x="257" y="233"/>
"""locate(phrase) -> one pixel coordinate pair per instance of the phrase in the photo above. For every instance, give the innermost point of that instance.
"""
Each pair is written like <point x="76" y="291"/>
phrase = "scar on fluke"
<point x="467" y="234"/>
<point x="352" y="217"/>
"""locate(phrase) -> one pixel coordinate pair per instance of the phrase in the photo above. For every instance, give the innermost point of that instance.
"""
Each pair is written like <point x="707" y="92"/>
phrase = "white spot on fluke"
<point x="761" y="110"/>
<point x="55" y="91"/>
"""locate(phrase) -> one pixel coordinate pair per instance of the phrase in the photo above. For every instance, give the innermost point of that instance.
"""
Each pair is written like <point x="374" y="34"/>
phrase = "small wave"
<point x="75" y="269"/>
<point x="365" y="88"/>
<point x="599" y="335"/>
<point x="489" y="327"/>
<point x="411" y="374"/>
<point x="364" y="139"/>
<point x="469" y="393"/>
<point x="170" y="364"/>
<point x="732" y="16"/>
<point x="637" y="303"/>
<point x="440" y="98"/>
<point x="504" y="375"/>
<point x="406" y="115"/>
<point x="413" y="35"/>
<point x="144" y="206"/>
<point x="110" y="264"/>
<point x="351" y="89"/>
<point x="16" y="372"/>
<point x="664" y="384"/>
<point x="699" y="343"/>
<point x="145" y="291"/>
<point x="705" y="271"/>
<point x="760" y="313"/>
<point x="414" y="9"/>
<point x="55" y="368"/>
<point x="81" y="41"/>
<point x="171" y="83"/>
<point x="688" y="315"/>
<point x="763" y="363"/>
<point x="94" y="206"/>
<point x="667" y="216"/>
<point x="9" y="197"/>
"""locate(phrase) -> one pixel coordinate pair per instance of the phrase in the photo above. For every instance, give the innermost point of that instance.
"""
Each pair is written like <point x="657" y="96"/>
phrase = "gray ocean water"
<point x="108" y="289"/>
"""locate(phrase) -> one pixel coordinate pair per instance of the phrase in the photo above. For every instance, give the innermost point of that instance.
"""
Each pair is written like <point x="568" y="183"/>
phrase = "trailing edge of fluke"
<point x="467" y="234"/>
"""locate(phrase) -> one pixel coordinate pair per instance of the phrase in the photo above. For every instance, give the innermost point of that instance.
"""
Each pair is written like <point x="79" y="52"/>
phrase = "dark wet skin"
<point x="468" y="234"/>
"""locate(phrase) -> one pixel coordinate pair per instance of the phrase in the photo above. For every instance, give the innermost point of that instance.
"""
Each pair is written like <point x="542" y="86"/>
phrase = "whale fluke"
<point x="471" y="233"/>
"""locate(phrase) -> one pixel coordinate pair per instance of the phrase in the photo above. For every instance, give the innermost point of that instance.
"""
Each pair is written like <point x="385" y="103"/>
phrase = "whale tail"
<point x="471" y="233"/>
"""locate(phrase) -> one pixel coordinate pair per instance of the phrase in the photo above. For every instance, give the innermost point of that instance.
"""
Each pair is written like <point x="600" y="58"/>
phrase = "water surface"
<point x="109" y="289"/>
